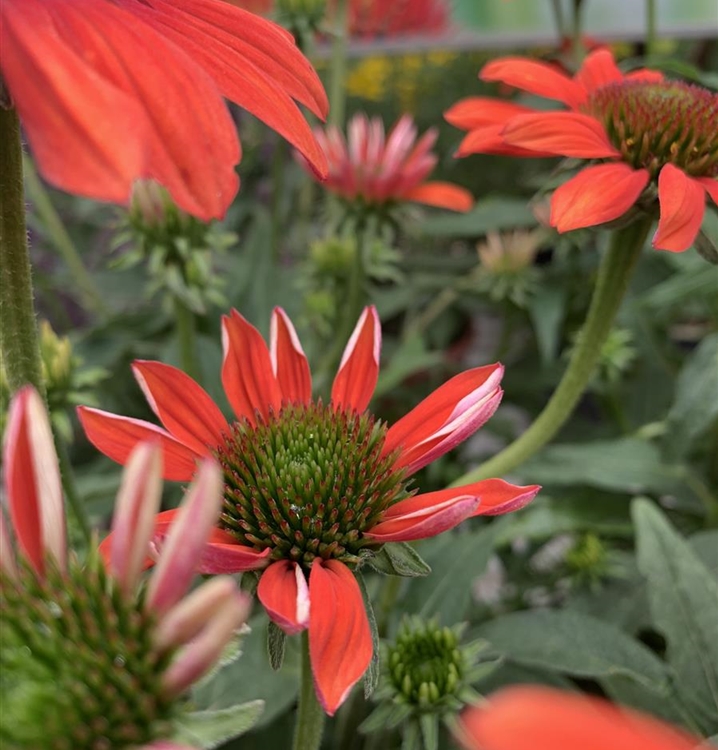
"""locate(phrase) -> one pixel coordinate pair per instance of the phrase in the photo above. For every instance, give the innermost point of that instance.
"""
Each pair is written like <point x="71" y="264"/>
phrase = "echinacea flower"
<point x="91" y="657"/>
<point x="539" y="718"/>
<point x="110" y="91"/>
<point x="311" y="489"/>
<point x="377" y="171"/>
<point x="649" y="138"/>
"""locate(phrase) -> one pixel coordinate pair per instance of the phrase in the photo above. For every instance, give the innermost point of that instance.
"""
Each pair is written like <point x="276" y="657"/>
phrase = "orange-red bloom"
<point x="651" y="138"/>
<point x="109" y="91"/>
<point x="376" y="170"/>
<point x="538" y="718"/>
<point x="311" y="489"/>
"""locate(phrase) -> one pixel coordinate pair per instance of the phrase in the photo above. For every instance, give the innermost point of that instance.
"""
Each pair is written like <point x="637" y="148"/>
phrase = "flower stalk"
<point x="19" y="341"/>
<point x="613" y="278"/>
<point x="310" y="715"/>
<point x="186" y="338"/>
<point x="337" y="87"/>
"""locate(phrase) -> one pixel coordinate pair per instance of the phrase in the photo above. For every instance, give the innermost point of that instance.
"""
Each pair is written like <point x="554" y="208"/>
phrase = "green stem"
<point x="278" y="159"/>
<point x="577" y="43"/>
<point x="613" y="277"/>
<point x="337" y="87"/>
<point x="650" y="27"/>
<point x="55" y="229"/>
<point x="310" y="715"/>
<point x="70" y="487"/>
<point x="186" y="339"/>
<point x="558" y="18"/>
<point x="19" y="341"/>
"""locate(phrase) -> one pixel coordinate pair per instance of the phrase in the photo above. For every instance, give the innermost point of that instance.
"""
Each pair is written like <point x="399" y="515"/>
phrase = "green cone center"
<point x="654" y="124"/>
<point x="307" y="482"/>
<point x="78" y="670"/>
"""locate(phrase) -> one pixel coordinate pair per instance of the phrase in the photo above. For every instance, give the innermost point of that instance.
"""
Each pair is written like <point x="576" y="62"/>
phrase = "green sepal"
<point x="429" y="725"/>
<point x="210" y="729"/>
<point x="398" y="559"/>
<point x="706" y="247"/>
<point x="371" y="676"/>
<point x="276" y="643"/>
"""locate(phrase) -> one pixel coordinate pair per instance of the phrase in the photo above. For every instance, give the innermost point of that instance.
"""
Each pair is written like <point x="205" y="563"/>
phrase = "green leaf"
<point x="547" y="309"/>
<point x="683" y="597"/>
<point x="696" y="404"/>
<point x="399" y="559"/>
<point x="210" y="729"/>
<point x="276" y="643"/>
<point x="489" y="214"/>
<point x="371" y="676"/>
<point x="575" y="644"/>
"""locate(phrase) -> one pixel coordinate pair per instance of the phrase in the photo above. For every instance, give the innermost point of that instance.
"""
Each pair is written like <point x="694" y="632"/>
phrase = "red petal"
<point x="109" y="100"/>
<point x="539" y="718"/>
<point x="596" y="195"/>
<point x="479" y="111"/>
<point x="183" y="407"/>
<point x="598" y="69"/>
<point x="536" y="77"/>
<point x="251" y="60"/>
<point x="560" y="133"/>
<point x="710" y="185"/>
<point x="247" y="374"/>
<point x="289" y="362"/>
<point x="117" y="436"/>
<point x="340" y="644"/>
<point x="499" y="497"/>
<point x="284" y="592"/>
<point x="223" y="555"/>
<point x="646" y="75"/>
<point x="489" y="140"/>
<point x="683" y="202"/>
<point x="32" y="481"/>
<point x="445" y="418"/>
<point x="359" y="369"/>
<point x="442" y="195"/>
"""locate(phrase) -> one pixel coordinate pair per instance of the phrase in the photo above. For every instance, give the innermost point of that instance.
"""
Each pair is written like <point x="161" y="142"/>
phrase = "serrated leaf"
<point x="371" y="676"/>
<point x="276" y="644"/>
<point x="399" y="559"/>
<point x="683" y="598"/>
<point x="210" y="729"/>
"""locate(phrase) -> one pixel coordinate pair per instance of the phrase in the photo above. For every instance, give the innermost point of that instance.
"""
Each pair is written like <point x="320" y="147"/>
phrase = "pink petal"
<point x="289" y="362"/>
<point x="247" y="375"/>
<point x="137" y="504"/>
<point x="596" y="195"/>
<point x="340" y="645"/>
<point x="442" y="420"/>
<point x="284" y="592"/>
<point x="187" y="538"/>
<point x="441" y="195"/>
<point x="682" y="203"/>
<point x="359" y="369"/>
<point x="183" y="407"/>
<point x="117" y="437"/>
<point x="32" y="481"/>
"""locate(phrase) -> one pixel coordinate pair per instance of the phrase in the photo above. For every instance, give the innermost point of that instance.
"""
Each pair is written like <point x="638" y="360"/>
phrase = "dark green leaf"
<point x="399" y="559"/>
<point x="210" y="729"/>
<point x="276" y="643"/>
<point x="371" y="676"/>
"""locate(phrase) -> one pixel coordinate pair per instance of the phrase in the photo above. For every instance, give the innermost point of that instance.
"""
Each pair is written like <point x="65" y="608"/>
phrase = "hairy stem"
<point x="310" y="716"/>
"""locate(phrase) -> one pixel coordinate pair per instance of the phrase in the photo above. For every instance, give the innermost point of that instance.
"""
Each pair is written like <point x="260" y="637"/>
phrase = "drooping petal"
<point x="187" y="538"/>
<point x="183" y="407"/>
<point x="596" y="195"/>
<point x="252" y="61"/>
<point x="560" y="133"/>
<point x="289" y="362"/>
<point x="137" y="504"/>
<point x="598" y="69"/>
<point x="490" y="140"/>
<point x="441" y="195"/>
<point x="479" y="111"/>
<point x="340" y="645"/>
<point x="710" y="185"/>
<point x="247" y="375"/>
<point x="32" y="481"/>
<point x="359" y="369"/>
<point x="682" y="202"/>
<point x="110" y="100"/>
<point x="445" y="418"/>
<point x="223" y="555"/>
<point x="540" y="718"/>
<point x="284" y="592"/>
<point x="536" y="78"/>
<point x="424" y="516"/>
<point x="117" y="436"/>
<point x="499" y="497"/>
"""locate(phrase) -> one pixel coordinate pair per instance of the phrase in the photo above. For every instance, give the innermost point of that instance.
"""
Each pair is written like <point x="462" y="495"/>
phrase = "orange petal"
<point x="442" y="195"/>
<point x="596" y="195"/>
<point x="289" y="362"/>
<point x="340" y="645"/>
<point x="109" y="100"/>
<point x="117" y="437"/>
<point x="247" y="374"/>
<point x="710" y="184"/>
<point x="560" y="133"/>
<point x="284" y="592"/>
<point x="535" y="77"/>
<point x="539" y="718"/>
<point x="598" y="69"/>
<point x="446" y="417"/>
<point x="183" y="407"/>
<point x="359" y="369"/>
<point x="478" y="111"/>
<point x="489" y="139"/>
<point x="683" y="202"/>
